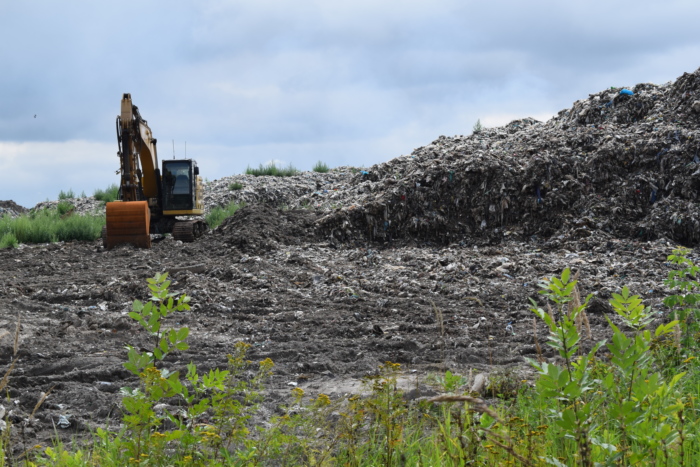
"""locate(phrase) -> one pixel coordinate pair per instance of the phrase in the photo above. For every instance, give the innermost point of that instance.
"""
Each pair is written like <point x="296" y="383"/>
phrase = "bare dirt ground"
<point x="326" y="315"/>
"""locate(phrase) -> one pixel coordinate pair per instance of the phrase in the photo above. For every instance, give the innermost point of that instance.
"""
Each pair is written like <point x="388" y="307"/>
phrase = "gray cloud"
<point x="345" y="82"/>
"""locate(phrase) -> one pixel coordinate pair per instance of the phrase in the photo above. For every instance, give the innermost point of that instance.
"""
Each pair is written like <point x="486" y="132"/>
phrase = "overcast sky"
<point x="344" y="82"/>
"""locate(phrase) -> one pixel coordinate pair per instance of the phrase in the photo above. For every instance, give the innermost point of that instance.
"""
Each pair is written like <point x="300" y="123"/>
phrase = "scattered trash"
<point x="63" y="421"/>
<point x="480" y="384"/>
<point x="509" y="328"/>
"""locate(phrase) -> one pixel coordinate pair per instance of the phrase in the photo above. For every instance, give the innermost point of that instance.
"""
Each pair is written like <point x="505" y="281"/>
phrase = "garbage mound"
<point x="11" y="209"/>
<point x="259" y="228"/>
<point x="625" y="163"/>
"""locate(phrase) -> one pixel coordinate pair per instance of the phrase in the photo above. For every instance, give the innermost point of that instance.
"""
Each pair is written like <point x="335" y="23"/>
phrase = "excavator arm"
<point x="129" y="220"/>
<point x="137" y="154"/>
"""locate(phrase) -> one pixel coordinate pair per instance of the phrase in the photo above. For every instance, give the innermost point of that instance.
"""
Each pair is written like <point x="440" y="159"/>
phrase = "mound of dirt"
<point x="259" y="228"/>
<point x="627" y="165"/>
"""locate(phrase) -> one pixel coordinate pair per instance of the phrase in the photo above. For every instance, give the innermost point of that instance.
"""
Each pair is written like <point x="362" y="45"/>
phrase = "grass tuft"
<point x="273" y="170"/>
<point x="321" y="167"/>
<point x="50" y="225"/>
<point x="235" y="186"/>
<point x="217" y="215"/>
<point x="8" y="240"/>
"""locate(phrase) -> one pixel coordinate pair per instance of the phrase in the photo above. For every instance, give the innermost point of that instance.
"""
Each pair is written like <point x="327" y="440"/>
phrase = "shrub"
<point x="235" y="186"/>
<point x="66" y="194"/>
<point x="273" y="170"/>
<point x="64" y="207"/>
<point x="111" y="193"/>
<point x="477" y="128"/>
<point x="8" y="240"/>
<point x="321" y="167"/>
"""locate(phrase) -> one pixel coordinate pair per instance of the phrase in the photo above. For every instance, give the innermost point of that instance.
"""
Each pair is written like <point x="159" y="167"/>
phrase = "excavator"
<point x="151" y="198"/>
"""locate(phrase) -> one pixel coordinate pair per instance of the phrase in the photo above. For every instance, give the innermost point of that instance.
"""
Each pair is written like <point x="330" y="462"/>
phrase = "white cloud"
<point x="350" y="82"/>
<point x="38" y="171"/>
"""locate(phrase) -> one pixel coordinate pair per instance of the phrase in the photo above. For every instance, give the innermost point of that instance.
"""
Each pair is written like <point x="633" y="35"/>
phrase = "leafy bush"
<point x="64" y="207"/>
<point x="321" y="167"/>
<point x="235" y="186"/>
<point x="217" y="215"/>
<point x="477" y="128"/>
<point x="66" y="194"/>
<point x="272" y="169"/>
<point x="108" y="195"/>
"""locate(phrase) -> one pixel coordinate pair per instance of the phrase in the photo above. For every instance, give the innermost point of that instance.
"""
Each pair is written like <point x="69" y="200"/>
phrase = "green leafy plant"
<point x="235" y="186"/>
<point x="477" y="128"/>
<point x="685" y="302"/>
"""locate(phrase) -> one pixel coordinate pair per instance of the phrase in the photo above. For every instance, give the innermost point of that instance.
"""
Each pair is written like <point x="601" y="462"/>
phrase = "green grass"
<point x="273" y="170"/>
<point x="321" y="167"/>
<point x="8" y="240"/>
<point x="50" y="225"/>
<point x="235" y="186"/>
<point x="108" y="195"/>
<point x="217" y="215"/>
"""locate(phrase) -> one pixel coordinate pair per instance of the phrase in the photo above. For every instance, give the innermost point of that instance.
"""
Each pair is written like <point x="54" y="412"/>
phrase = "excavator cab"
<point x="179" y="186"/>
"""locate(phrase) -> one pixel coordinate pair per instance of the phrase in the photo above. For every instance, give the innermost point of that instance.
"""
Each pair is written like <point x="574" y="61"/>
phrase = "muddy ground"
<point x="327" y="315"/>
<point x="427" y="260"/>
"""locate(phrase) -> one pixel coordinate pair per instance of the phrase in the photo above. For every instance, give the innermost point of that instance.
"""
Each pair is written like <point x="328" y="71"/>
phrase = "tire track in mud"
<point x="326" y="316"/>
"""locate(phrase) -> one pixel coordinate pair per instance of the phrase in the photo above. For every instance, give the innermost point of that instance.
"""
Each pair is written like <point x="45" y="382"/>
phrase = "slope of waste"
<point x="618" y="162"/>
<point x="10" y="208"/>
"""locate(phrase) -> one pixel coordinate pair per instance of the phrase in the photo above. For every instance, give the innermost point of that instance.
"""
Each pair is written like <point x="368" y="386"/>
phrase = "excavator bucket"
<point x="128" y="222"/>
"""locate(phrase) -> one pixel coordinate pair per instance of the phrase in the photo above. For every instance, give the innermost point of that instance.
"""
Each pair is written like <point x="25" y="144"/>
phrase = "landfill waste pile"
<point x="10" y="208"/>
<point x="625" y="163"/>
<point x="428" y="260"/>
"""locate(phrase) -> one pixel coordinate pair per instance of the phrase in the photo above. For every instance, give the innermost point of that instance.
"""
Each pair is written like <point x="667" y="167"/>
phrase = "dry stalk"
<point x="479" y="405"/>
<point x="441" y="327"/>
<point x="540" y="357"/>
<point x="42" y="398"/>
<point x="16" y="343"/>
<point x="677" y="336"/>
<point x="476" y="299"/>
<point x="587" y="325"/>
<point x="6" y="378"/>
